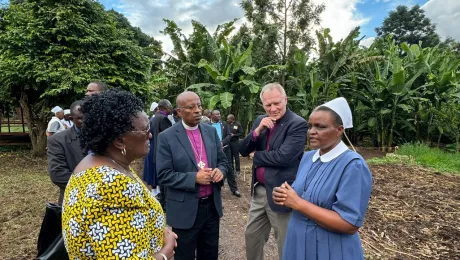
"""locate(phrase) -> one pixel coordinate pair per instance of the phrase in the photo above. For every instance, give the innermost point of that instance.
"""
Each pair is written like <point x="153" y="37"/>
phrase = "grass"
<point x="14" y="129"/>
<point x="423" y="155"/>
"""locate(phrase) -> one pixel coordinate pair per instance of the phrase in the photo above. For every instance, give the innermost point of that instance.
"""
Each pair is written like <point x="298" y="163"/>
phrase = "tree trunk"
<point x="37" y="126"/>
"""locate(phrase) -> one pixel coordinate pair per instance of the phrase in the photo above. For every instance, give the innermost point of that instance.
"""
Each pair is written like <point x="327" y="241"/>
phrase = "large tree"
<point x="282" y="25"/>
<point x="50" y="50"/>
<point x="409" y="25"/>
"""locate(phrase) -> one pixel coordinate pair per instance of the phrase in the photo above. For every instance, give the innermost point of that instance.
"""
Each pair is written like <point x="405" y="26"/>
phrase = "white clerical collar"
<point x="189" y="127"/>
<point x="332" y="154"/>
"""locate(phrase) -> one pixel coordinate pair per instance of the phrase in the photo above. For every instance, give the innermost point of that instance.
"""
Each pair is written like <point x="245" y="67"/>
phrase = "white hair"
<point x="272" y="86"/>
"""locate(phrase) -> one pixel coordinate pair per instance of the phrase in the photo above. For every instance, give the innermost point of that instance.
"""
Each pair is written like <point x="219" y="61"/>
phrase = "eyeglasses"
<point x="199" y="106"/>
<point x="145" y="132"/>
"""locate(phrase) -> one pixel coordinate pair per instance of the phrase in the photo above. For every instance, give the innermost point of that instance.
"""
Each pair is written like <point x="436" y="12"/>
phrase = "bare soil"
<point x="414" y="213"/>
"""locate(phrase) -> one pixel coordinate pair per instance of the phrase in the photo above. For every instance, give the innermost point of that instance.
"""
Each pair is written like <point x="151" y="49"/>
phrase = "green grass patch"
<point x="14" y="129"/>
<point x="423" y="155"/>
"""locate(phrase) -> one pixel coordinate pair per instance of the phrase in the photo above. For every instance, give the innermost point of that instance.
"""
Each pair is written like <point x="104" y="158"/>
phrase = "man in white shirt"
<point x="68" y="123"/>
<point x="55" y="125"/>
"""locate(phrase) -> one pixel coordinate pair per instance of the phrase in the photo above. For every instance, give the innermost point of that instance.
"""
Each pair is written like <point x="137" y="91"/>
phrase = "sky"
<point x="341" y="16"/>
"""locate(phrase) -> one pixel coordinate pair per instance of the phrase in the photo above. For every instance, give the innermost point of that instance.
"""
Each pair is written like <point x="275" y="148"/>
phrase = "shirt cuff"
<point x="254" y="136"/>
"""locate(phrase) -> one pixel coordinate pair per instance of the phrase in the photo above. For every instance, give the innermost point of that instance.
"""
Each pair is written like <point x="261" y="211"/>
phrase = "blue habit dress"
<point x="150" y="172"/>
<point x="341" y="183"/>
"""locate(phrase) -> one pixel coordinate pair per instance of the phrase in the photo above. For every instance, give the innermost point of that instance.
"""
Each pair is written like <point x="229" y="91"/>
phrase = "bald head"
<point x="189" y="108"/>
<point x="184" y="96"/>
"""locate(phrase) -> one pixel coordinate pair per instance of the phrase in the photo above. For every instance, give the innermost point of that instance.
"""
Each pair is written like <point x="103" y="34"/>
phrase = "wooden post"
<point x="8" y="116"/>
<point x="22" y="120"/>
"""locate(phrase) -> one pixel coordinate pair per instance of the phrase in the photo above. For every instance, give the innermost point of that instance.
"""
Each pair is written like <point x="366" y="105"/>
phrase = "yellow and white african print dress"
<point x="108" y="215"/>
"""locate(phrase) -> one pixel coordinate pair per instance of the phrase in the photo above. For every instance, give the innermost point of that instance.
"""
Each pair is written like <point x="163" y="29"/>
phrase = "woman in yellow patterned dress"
<point x="108" y="213"/>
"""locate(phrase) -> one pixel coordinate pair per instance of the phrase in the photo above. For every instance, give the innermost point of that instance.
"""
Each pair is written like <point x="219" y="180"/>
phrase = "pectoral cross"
<point x="201" y="164"/>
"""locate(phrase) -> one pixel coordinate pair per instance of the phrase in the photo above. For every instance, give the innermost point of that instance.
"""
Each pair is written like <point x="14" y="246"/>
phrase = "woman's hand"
<point x="169" y="243"/>
<point x="170" y="237"/>
<point x="286" y="196"/>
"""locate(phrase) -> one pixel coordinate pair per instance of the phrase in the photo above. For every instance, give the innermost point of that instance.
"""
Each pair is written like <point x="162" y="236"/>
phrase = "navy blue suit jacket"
<point x="177" y="169"/>
<point x="282" y="160"/>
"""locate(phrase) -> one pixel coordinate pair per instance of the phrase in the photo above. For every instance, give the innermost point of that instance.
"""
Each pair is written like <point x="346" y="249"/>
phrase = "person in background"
<point x="191" y="165"/>
<point x="276" y="142"/>
<point x="153" y="109"/>
<point x="64" y="151"/>
<point x="176" y="116"/>
<point x="67" y="121"/>
<point x="223" y="131"/>
<point x="236" y="132"/>
<point x="149" y="166"/>
<point x="55" y="125"/>
<point x="95" y="87"/>
<point x="206" y="117"/>
<point x="159" y="124"/>
<point x="108" y="212"/>
<point x="330" y="195"/>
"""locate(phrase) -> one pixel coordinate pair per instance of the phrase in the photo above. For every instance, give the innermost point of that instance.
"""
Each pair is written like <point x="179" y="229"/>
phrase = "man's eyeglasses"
<point x="192" y="107"/>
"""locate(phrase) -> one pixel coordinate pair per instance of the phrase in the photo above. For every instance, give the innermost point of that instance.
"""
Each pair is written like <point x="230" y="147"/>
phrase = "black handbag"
<point x="50" y="244"/>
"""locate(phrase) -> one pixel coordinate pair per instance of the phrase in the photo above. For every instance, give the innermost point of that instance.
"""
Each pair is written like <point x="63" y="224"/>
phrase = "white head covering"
<point x="56" y="109"/>
<point x="340" y="106"/>
<point x="153" y="106"/>
<point x="66" y="111"/>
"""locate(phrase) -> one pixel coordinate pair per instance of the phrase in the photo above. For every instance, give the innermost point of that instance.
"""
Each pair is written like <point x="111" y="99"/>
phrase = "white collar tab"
<point x="332" y="154"/>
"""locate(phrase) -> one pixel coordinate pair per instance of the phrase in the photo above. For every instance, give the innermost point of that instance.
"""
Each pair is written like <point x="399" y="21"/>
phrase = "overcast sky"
<point x="340" y="16"/>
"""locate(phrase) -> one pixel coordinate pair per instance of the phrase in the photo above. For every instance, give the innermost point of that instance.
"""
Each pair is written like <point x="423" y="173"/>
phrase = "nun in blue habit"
<point x="330" y="195"/>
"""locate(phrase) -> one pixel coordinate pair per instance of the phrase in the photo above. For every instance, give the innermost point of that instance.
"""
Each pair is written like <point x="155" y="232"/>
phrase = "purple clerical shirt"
<point x="260" y="171"/>
<point x="200" y="153"/>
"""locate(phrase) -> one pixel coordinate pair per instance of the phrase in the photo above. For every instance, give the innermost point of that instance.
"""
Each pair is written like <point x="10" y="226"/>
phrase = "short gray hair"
<point x="272" y="86"/>
<point x="164" y="103"/>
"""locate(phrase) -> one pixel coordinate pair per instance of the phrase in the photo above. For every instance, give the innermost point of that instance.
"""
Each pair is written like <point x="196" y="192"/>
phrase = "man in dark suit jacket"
<point x="276" y="142"/>
<point x="64" y="151"/>
<point x="237" y="132"/>
<point x="225" y="135"/>
<point x="159" y="124"/>
<point x="191" y="165"/>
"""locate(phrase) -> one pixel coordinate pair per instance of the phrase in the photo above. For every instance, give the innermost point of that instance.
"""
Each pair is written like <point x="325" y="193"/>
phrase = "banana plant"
<point x="233" y="76"/>
<point x="390" y="93"/>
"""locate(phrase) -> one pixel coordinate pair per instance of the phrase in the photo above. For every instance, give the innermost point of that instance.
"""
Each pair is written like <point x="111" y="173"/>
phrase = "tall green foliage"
<point x="284" y="25"/>
<point x="50" y="50"/>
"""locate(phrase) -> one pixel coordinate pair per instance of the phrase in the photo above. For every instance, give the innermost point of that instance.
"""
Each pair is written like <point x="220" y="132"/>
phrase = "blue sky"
<point x="378" y="10"/>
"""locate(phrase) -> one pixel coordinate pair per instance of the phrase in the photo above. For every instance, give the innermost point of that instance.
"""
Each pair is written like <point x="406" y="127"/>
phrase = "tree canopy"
<point x="409" y="25"/>
<point x="50" y="50"/>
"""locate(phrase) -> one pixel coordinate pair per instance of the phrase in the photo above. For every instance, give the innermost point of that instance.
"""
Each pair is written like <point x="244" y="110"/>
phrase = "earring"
<point x="123" y="151"/>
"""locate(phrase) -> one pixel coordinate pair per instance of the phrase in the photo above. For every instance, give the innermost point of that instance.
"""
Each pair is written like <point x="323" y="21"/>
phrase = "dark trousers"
<point x="235" y="147"/>
<point x="231" y="176"/>
<point x="203" y="236"/>
<point x="162" y="198"/>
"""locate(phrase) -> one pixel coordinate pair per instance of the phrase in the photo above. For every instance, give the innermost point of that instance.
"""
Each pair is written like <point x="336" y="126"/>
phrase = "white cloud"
<point x="341" y="17"/>
<point x="367" y="42"/>
<point x="446" y="15"/>
<point x="149" y="14"/>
